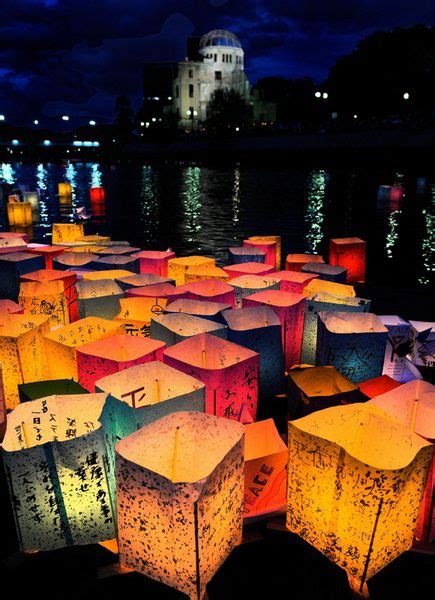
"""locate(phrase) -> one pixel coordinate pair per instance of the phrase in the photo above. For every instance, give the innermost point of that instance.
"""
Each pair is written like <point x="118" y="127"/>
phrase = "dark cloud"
<point x="76" y="56"/>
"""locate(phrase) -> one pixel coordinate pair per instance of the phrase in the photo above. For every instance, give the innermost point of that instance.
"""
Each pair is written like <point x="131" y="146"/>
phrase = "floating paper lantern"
<point x="316" y="388"/>
<point x="265" y="469"/>
<point x="10" y="307"/>
<point x="92" y="249"/>
<point x="134" y="281"/>
<point x="320" y="286"/>
<point x="174" y="328"/>
<point x="118" y="251"/>
<point x="267" y="246"/>
<point x="58" y="472"/>
<point x="248" y="268"/>
<point x="99" y="240"/>
<point x="276" y="239"/>
<point x="74" y="260"/>
<point x="212" y="291"/>
<point x="354" y="343"/>
<point x="259" y="329"/>
<point x="177" y="267"/>
<point x="19" y="214"/>
<point x="3" y="416"/>
<point x="8" y="245"/>
<point x="229" y="371"/>
<point x="246" y="254"/>
<point x="97" y="195"/>
<point x="246" y="285"/>
<point x="292" y="281"/>
<point x="202" y="273"/>
<point x="98" y="298"/>
<point x="32" y="198"/>
<point x="127" y="263"/>
<point x="50" y="387"/>
<point x="65" y="192"/>
<point x="326" y="272"/>
<point x="158" y="292"/>
<point x="423" y="349"/>
<point x="69" y="280"/>
<point x="13" y="236"/>
<point x="12" y="266"/>
<point x="111" y="355"/>
<point x="355" y="483"/>
<point x="398" y="346"/>
<point x="295" y="262"/>
<point x="114" y="274"/>
<point x="61" y="345"/>
<point x="290" y="310"/>
<point x="45" y="299"/>
<point x="199" y="308"/>
<point x="189" y="465"/>
<point x="135" y="314"/>
<point x="349" y="253"/>
<point x="66" y="232"/>
<point x="153" y="261"/>
<point x="48" y="252"/>
<point x="377" y="385"/>
<point x="22" y="352"/>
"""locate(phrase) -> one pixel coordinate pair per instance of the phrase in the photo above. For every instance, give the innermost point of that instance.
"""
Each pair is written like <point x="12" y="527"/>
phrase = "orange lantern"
<point x="66" y="232"/>
<point x="326" y="272"/>
<point x="246" y="285"/>
<point x="10" y="307"/>
<point x="69" y="280"/>
<point x="48" y="252"/>
<point x="174" y="328"/>
<point x="113" y="274"/>
<point x="12" y="266"/>
<point x="86" y="248"/>
<point x="14" y="236"/>
<point x="292" y="281"/>
<point x="276" y="239"/>
<point x="65" y="193"/>
<point x="99" y="240"/>
<point x="19" y="214"/>
<point x="118" y="251"/>
<point x="73" y="260"/>
<point x="190" y="465"/>
<point x="267" y="246"/>
<point x="135" y="281"/>
<point x="111" y="355"/>
<point x="157" y="291"/>
<point x="153" y="261"/>
<point x="177" y="267"/>
<point x="45" y="299"/>
<point x="248" y="268"/>
<point x="212" y="291"/>
<point x="135" y="314"/>
<point x="349" y="253"/>
<point x="246" y="254"/>
<point x="194" y="274"/>
<point x="98" y="298"/>
<point x="3" y="416"/>
<point x="295" y="262"/>
<point x="116" y="261"/>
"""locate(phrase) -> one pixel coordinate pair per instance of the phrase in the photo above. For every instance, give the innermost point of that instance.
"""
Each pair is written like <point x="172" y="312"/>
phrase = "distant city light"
<point x="355" y="116"/>
<point x="95" y="143"/>
<point x="77" y="143"/>
<point x="65" y="118"/>
<point x="153" y="119"/>
<point x="147" y="124"/>
<point x="36" y="122"/>
<point x="169" y="97"/>
<point x="325" y="95"/>
<point x="92" y="123"/>
<point x="87" y="143"/>
<point x="237" y="128"/>
<point x="318" y="94"/>
<point x="46" y="143"/>
<point x="191" y="113"/>
<point x="156" y="98"/>
<point x="142" y="123"/>
<point x="15" y="142"/>
<point x="2" y="117"/>
<point x="406" y="96"/>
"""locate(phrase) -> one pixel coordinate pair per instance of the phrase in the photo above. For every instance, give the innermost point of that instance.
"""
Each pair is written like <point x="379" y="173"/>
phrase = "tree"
<point x="124" y="119"/>
<point x="226" y="110"/>
<point x="294" y="98"/>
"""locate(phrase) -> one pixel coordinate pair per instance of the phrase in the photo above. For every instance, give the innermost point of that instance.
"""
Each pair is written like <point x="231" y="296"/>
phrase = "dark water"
<point x="204" y="209"/>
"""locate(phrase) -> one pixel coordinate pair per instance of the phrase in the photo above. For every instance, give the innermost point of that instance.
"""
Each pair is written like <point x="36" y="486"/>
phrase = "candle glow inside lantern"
<point x="177" y="267"/>
<point x="356" y="479"/>
<point x="190" y="465"/>
<point x="111" y="355"/>
<point x="199" y="308"/>
<point x="292" y="281"/>
<point x="354" y="343"/>
<point x="66" y="232"/>
<point x="206" y="273"/>
<point x="12" y="266"/>
<point x="154" y="261"/>
<point x="73" y="260"/>
<point x="268" y="246"/>
<point x="265" y="469"/>
<point x="349" y="253"/>
<point x="48" y="252"/>
<point x="290" y="310"/>
<point x="64" y="192"/>
<point x="68" y="280"/>
<point x="276" y="239"/>
<point x="211" y="291"/>
<point x="246" y="254"/>
<point x="398" y="346"/>
<point x="58" y="473"/>
<point x="246" y="285"/>
<point x="259" y="329"/>
<point x="174" y="328"/>
<point x="98" y="298"/>
<point x="229" y="371"/>
<point x="134" y="281"/>
<point x="326" y="272"/>
<point x="61" y="345"/>
<point x="114" y="274"/>
<point x="295" y="262"/>
<point x="46" y="299"/>
<point x="19" y="214"/>
<point x="116" y="261"/>
<point x="136" y="313"/>
<point x="248" y="268"/>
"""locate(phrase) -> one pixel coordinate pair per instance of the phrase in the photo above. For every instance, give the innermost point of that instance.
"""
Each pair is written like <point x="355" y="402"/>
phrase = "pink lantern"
<point x="164" y="291"/>
<point x="202" y="273"/>
<point x="154" y="261"/>
<point x="111" y="355"/>
<point x="267" y="246"/>
<point x="177" y="267"/>
<point x="292" y="281"/>
<point x="248" y="268"/>
<point x="295" y="262"/>
<point x="212" y="290"/>
<point x="199" y="308"/>
<point x="68" y="280"/>
<point x="229" y="371"/>
<point x="290" y="309"/>
<point x="118" y="251"/>
<point x="245" y="285"/>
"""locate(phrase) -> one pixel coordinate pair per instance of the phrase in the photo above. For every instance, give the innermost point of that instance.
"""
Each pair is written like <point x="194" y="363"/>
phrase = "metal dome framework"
<point x="220" y="37"/>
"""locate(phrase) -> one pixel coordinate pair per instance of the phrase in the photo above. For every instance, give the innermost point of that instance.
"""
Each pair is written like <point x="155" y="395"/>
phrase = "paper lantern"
<point x="355" y="483"/>
<point x="65" y="191"/>
<point x="12" y="266"/>
<point x="13" y="236"/>
<point x="295" y="262"/>
<point x="69" y="260"/>
<point x="92" y="249"/>
<point x="229" y="371"/>
<point x="97" y="195"/>
<point x="292" y="281"/>
<point x="248" y="268"/>
<point x="66" y="232"/>
<point x="377" y="385"/>
<point x="157" y="291"/>
<point x="398" y="346"/>
<point x="61" y="345"/>
<point x="199" y="308"/>
<point x="134" y="281"/>
<point x="111" y="355"/>
<point x="325" y="302"/>
<point x="100" y="240"/>
<point x="259" y="329"/>
<point x="48" y="252"/>
<point x="423" y="349"/>
<point x="316" y="388"/>
<point x="136" y="313"/>
<point x="276" y="239"/>
<point x="326" y="272"/>
<point x="58" y="472"/>
<point x="10" y="307"/>
<point x="177" y="267"/>
<point x="265" y="469"/>
<point x="354" y="343"/>
<point x="45" y="299"/>
<point x="175" y="328"/>
<point x="153" y="261"/>
<point x="22" y="352"/>
<point x="49" y="387"/>
<point x="189" y="465"/>
<point x="246" y="254"/>
<point x="19" y="213"/>
<point x="194" y="274"/>
<point x="268" y="247"/>
<point x="8" y="245"/>
<point x="98" y="298"/>
<point x="114" y="274"/>
<point x="126" y="263"/>
<point x="246" y="285"/>
<point x="69" y="280"/>
<point x="349" y="253"/>
<point x="290" y="310"/>
<point x="320" y="286"/>
<point x="118" y="251"/>
<point x="3" y="416"/>
<point x="212" y="291"/>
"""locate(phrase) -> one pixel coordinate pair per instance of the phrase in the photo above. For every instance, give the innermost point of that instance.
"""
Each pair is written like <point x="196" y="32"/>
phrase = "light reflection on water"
<point x="314" y="217"/>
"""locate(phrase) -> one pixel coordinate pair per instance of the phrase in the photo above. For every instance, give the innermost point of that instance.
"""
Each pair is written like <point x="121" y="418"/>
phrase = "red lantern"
<point x="349" y="253"/>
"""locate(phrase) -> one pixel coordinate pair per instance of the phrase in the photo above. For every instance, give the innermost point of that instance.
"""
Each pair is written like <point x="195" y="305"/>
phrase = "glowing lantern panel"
<point x="205" y="273"/>
<point x="326" y="272"/>
<point x="45" y="299"/>
<point x="246" y="254"/>
<point x="142" y="280"/>
<point x="116" y="261"/>
<point x="292" y="281"/>
<point x="423" y="348"/>
<point x="98" y="298"/>
<point x="349" y="253"/>
<point x="70" y="260"/>
<point x="10" y="307"/>
<point x="199" y="308"/>
<point x="66" y="232"/>
<point x="295" y="262"/>
<point x="267" y="246"/>
<point x="212" y="291"/>
<point x="398" y="346"/>
<point x="12" y="266"/>
<point x="48" y="252"/>
<point x="175" y="328"/>
<point x="276" y="239"/>
<point x="248" y="268"/>
<point x="177" y="267"/>
<point x="19" y="214"/>
<point x="68" y="280"/>
<point x="153" y="261"/>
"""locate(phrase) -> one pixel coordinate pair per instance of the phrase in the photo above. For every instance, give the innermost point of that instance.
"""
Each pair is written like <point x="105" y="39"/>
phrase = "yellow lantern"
<point x="47" y="299"/>
<point x="66" y="232"/>
<point x="177" y="267"/>
<point x="86" y="248"/>
<point x="109" y="274"/>
<point x="205" y="273"/>
<point x="99" y="240"/>
<point x="180" y="495"/>
<point x="356" y="479"/>
<point x="136" y="313"/>
<point x="65" y="193"/>
<point x="19" y="213"/>
<point x="321" y="286"/>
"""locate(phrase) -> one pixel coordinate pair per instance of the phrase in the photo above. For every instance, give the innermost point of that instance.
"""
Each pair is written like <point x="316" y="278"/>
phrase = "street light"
<point x="65" y="118"/>
<point x="2" y="117"/>
<point x="46" y="143"/>
<point x="15" y="142"/>
<point x="355" y="116"/>
<point x="92" y="123"/>
<point x="325" y="95"/>
<point x="36" y="122"/>
<point x="406" y="96"/>
<point x="142" y="123"/>
<point x="318" y="94"/>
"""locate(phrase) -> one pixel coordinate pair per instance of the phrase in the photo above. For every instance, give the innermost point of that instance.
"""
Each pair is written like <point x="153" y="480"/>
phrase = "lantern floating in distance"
<point x="154" y="261"/>
<point x="212" y="291"/>
<point x="246" y="254"/>
<point x="295" y="262"/>
<point x="246" y="285"/>
<point x="349" y="253"/>
<point x="248" y="268"/>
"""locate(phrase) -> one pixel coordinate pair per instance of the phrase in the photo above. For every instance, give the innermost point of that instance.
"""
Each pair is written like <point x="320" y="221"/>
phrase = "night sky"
<point x="76" y="56"/>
